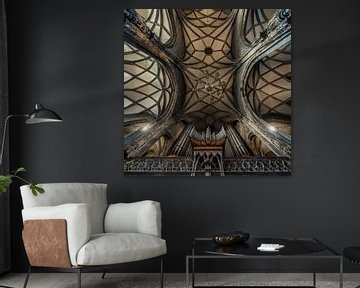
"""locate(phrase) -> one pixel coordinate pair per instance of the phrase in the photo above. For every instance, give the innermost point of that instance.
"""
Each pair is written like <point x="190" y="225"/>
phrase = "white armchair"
<point x="72" y="228"/>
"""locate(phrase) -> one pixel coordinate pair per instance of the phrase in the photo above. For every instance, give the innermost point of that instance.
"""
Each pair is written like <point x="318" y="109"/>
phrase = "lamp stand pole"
<point x="39" y="115"/>
<point x="4" y="135"/>
<point x="2" y="151"/>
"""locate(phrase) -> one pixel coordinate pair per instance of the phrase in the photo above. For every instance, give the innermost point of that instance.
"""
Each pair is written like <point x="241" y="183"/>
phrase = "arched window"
<point x="147" y="87"/>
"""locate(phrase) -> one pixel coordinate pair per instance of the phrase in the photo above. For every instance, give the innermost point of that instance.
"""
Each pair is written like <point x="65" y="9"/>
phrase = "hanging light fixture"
<point x="39" y="115"/>
<point x="42" y="115"/>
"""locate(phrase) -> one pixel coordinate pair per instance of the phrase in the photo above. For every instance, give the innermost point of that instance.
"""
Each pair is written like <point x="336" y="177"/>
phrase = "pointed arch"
<point x="147" y="85"/>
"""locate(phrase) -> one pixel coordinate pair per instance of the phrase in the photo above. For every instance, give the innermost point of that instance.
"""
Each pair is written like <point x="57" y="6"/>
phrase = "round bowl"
<point x="225" y="239"/>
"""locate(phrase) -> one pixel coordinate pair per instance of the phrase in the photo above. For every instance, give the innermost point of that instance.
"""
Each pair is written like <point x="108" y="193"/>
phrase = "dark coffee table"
<point x="295" y="248"/>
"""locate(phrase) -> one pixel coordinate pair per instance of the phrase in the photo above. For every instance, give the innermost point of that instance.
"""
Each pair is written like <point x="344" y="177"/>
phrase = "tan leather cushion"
<point x="77" y="218"/>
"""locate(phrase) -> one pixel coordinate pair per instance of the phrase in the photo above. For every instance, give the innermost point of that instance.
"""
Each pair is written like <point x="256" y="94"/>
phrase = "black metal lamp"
<point x="42" y="115"/>
<point x="39" y="115"/>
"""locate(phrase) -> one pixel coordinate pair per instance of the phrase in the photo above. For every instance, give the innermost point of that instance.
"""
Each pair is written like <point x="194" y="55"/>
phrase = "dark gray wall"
<point x="67" y="55"/>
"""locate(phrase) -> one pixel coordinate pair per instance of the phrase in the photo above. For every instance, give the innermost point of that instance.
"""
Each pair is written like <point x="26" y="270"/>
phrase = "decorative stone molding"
<point x="183" y="166"/>
<point x="276" y="165"/>
<point x="158" y="166"/>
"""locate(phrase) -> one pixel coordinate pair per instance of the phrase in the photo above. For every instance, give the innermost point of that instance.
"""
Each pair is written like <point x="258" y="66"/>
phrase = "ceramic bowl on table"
<point x="231" y="238"/>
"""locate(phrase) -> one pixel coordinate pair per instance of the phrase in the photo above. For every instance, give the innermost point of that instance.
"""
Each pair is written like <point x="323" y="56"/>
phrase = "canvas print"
<point x="207" y="92"/>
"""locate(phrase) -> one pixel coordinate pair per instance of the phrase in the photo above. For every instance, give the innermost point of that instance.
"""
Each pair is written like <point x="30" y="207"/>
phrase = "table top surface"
<point x="292" y="247"/>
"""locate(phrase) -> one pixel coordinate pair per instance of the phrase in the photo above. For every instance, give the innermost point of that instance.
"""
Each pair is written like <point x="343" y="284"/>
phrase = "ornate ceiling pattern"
<point x="208" y="65"/>
<point x="208" y="69"/>
<point x="269" y="85"/>
<point x="256" y="22"/>
<point x="210" y="82"/>
<point x="147" y="86"/>
<point x="207" y="34"/>
<point x="158" y="21"/>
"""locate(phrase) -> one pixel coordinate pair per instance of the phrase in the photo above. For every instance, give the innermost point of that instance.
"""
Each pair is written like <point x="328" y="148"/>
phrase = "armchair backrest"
<point x="55" y="194"/>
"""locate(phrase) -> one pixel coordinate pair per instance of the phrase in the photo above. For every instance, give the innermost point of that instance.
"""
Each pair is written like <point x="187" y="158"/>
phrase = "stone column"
<point x="141" y="141"/>
<point x="274" y="141"/>
<point x="181" y="144"/>
<point x="238" y="147"/>
<point x="276" y="35"/>
<point x="137" y="33"/>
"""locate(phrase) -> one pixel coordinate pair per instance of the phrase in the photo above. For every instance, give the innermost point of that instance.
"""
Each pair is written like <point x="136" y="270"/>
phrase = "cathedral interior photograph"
<point x="207" y="92"/>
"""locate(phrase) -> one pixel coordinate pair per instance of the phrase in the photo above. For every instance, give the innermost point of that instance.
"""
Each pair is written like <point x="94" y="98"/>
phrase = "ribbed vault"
<point x="209" y="66"/>
<point x="243" y="90"/>
<point x="147" y="88"/>
<point x="158" y="21"/>
<point x="256" y="21"/>
<point x="269" y="85"/>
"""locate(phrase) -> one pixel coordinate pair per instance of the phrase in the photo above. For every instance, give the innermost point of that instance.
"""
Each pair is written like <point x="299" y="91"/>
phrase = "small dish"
<point x="225" y="239"/>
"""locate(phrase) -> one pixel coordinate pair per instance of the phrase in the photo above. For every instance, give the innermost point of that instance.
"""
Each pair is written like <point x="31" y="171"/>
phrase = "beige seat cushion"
<point x="137" y="217"/>
<point x="113" y="248"/>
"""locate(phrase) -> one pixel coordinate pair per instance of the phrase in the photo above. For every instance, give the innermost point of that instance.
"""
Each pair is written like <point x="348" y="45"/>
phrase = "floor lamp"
<point x="39" y="115"/>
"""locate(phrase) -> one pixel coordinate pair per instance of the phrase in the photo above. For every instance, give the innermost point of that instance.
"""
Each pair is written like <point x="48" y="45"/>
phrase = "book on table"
<point x="270" y="247"/>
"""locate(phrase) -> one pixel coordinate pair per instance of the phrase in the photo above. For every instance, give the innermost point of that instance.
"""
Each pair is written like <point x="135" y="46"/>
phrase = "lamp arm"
<point x="4" y="134"/>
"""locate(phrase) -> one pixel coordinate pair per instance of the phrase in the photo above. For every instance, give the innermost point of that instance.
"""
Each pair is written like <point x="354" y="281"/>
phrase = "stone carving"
<point x="160" y="166"/>
<point x="184" y="166"/>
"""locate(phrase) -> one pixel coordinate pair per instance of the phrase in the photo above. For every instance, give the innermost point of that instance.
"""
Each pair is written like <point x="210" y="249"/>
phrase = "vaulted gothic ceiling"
<point x="269" y="85"/>
<point x="210" y="97"/>
<point x="146" y="82"/>
<point x="256" y="21"/>
<point x="209" y="65"/>
<point x="158" y="21"/>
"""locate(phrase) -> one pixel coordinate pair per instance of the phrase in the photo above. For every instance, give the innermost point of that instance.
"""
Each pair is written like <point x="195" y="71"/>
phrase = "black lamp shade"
<point x="42" y="115"/>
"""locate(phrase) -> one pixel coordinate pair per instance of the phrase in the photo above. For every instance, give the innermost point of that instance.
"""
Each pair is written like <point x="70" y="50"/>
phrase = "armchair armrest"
<point x="138" y="217"/>
<point x="77" y="217"/>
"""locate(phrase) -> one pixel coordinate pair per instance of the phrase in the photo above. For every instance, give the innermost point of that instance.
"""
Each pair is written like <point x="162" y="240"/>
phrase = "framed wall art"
<point x="207" y="92"/>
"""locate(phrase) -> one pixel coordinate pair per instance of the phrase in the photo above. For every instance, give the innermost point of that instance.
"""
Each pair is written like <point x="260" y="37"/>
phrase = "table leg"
<point x="193" y="267"/>
<point x="187" y="272"/>
<point x="341" y="273"/>
<point x="314" y="271"/>
<point x="193" y="272"/>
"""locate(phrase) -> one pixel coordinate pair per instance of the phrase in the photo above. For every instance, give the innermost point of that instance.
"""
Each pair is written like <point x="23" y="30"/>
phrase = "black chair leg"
<point x="27" y="277"/>
<point x="103" y="275"/>
<point x="161" y="273"/>
<point x="79" y="277"/>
